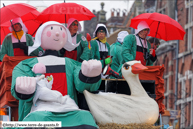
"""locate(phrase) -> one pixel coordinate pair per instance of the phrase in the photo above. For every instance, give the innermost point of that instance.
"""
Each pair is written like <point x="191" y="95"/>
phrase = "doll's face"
<point x="53" y="37"/>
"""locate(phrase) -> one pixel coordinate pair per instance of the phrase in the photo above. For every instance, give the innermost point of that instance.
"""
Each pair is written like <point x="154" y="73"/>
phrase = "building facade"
<point x="177" y="57"/>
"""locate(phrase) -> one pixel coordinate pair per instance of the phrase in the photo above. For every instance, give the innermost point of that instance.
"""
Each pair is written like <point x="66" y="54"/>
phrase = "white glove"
<point x="25" y="85"/>
<point x="91" y="68"/>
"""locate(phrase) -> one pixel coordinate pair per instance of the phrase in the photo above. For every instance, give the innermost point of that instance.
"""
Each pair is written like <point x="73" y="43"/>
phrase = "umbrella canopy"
<point x="63" y="11"/>
<point x="161" y="26"/>
<point x="14" y="10"/>
<point x="28" y="19"/>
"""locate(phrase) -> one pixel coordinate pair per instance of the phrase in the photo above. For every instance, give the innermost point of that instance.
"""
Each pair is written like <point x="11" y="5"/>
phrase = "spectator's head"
<point x="154" y="42"/>
<point x="18" y="25"/>
<point x="73" y="26"/>
<point x="121" y="36"/>
<point x="101" y="31"/>
<point x="142" y="29"/>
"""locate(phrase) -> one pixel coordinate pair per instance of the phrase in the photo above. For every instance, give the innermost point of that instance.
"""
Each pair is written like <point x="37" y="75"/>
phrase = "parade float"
<point x="124" y="106"/>
<point x="135" y="111"/>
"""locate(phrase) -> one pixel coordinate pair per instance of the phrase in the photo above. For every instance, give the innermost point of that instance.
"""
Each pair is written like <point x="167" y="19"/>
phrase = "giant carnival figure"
<point x="69" y="78"/>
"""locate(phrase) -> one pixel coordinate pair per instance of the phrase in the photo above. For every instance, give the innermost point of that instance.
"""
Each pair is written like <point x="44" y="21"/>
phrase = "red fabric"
<point x="139" y="56"/>
<point x="60" y="82"/>
<point x="6" y="69"/>
<point x="153" y="53"/>
<point x="156" y="73"/>
<point x="71" y="54"/>
<point x="166" y="27"/>
<point x="19" y="52"/>
<point x="28" y="19"/>
<point x="61" y="12"/>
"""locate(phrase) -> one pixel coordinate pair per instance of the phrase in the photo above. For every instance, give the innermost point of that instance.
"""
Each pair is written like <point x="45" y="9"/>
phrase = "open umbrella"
<point x="28" y="19"/>
<point x="12" y="11"/>
<point x="63" y="11"/>
<point x="161" y="26"/>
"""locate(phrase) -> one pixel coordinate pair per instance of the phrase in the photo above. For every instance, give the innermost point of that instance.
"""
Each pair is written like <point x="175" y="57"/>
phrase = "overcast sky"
<point x="90" y="4"/>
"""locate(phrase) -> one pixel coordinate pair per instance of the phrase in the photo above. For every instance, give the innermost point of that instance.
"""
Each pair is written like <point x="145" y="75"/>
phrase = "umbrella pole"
<point x="14" y="31"/>
<point x="156" y="34"/>
<point x="12" y="26"/>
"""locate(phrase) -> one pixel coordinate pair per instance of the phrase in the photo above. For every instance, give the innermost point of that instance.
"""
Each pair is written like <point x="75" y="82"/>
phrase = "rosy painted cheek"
<point x="63" y="35"/>
<point x="48" y="33"/>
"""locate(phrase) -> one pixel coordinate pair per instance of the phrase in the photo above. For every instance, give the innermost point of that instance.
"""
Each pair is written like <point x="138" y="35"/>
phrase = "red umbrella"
<point x="14" y="10"/>
<point x="28" y="19"/>
<point x="63" y="11"/>
<point x="161" y="26"/>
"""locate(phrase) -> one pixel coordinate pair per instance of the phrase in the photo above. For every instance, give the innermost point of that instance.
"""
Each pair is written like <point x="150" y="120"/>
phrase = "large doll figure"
<point x="69" y="76"/>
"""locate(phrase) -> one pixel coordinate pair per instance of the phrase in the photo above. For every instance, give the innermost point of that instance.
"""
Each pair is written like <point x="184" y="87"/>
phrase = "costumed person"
<point x="81" y="52"/>
<point x="100" y="48"/>
<point x="137" y="47"/>
<point x="116" y="51"/>
<point x="45" y="95"/>
<point x="18" y="42"/>
<point x="69" y="76"/>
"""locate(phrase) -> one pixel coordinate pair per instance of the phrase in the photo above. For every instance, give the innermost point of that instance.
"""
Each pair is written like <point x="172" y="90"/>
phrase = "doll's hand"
<point x="91" y="68"/>
<point x="39" y="68"/>
<point x="25" y="85"/>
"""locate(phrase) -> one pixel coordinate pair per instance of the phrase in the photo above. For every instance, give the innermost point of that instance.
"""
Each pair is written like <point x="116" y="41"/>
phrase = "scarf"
<point x="102" y="41"/>
<point x="19" y="34"/>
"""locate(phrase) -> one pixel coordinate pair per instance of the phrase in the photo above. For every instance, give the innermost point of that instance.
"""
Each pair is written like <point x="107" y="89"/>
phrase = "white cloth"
<point x="121" y="36"/>
<point x="71" y="20"/>
<point x="46" y="99"/>
<point x="15" y="40"/>
<point x="102" y="46"/>
<point x="142" y="25"/>
<point x="18" y="20"/>
<point x="144" y="42"/>
<point x="98" y="25"/>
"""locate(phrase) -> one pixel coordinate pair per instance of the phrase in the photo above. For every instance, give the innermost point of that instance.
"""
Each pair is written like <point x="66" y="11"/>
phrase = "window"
<point x="189" y="40"/>
<point x="187" y="15"/>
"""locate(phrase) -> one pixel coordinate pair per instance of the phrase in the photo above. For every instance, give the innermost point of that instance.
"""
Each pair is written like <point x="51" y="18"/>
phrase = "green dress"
<point x="74" y="83"/>
<point x="129" y="48"/>
<point x="83" y="52"/>
<point x="95" y="52"/>
<point x="7" y="47"/>
<point x="116" y="50"/>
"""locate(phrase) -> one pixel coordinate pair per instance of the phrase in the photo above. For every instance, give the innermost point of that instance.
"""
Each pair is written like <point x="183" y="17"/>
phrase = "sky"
<point x="90" y="4"/>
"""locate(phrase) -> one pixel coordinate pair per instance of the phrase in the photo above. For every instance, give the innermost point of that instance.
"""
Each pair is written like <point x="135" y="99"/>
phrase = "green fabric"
<point x="95" y="54"/>
<point x="7" y="47"/>
<point x="73" y="67"/>
<point x="129" y="48"/>
<point x="24" y="68"/>
<point x="73" y="118"/>
<point x="83" y="52"/>
<point x="116" y="50"/>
